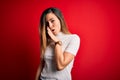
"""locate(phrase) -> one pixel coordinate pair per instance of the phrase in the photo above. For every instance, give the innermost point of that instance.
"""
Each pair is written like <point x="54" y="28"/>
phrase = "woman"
<point x="58" y="47"/>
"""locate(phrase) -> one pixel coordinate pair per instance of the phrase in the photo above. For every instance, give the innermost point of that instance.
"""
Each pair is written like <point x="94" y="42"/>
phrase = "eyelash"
<point x="47" y="24"/>
<point x="52" y="21"/>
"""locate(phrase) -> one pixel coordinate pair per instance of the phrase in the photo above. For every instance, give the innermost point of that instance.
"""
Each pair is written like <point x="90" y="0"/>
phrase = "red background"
<point x="96" y="22"/>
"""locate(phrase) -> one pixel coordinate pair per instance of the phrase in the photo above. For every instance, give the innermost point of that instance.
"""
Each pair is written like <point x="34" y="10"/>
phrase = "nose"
<point x="50" y="24"/>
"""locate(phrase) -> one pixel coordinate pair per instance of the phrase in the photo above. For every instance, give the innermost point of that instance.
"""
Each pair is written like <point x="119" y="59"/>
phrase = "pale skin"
<point x="62" y="59"/>
<point x="39" y="70"/>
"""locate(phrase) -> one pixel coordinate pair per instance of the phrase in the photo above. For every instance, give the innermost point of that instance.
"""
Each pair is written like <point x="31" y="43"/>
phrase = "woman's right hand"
<point x="52" y="36"/>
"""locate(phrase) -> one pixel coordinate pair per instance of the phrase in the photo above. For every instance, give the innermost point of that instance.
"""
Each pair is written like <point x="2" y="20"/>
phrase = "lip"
<point x="53" y="30"/>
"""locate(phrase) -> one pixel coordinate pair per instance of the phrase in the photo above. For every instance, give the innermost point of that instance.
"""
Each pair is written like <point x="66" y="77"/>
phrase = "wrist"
<point x="58" y="42"/>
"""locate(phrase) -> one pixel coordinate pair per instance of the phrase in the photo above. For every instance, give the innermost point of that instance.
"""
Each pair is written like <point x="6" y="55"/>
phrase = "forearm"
<point x="62" y="58"/>
<point x="39" y="70"/>
<point x="37" y="73"/>
<point x="59" y="57"/>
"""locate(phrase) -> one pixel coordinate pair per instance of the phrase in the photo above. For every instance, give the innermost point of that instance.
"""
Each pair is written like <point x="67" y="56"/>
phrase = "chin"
<point x="55" y="33"/>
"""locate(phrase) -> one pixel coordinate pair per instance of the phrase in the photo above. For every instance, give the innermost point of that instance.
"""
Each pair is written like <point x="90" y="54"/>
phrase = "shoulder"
<point x="70" y="38"/>
<point x="73" y="43"/>
<point x="74" y="36"/>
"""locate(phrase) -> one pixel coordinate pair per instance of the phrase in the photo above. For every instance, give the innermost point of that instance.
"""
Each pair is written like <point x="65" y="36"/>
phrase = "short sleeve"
<point x="73" y="45"/>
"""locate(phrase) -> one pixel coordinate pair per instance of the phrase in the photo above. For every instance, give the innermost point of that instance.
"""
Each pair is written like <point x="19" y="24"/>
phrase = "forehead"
<point x="50" y="16"/>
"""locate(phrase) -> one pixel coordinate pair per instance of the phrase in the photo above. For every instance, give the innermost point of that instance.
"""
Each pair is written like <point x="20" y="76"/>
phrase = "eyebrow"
<point x="50" y="19"/>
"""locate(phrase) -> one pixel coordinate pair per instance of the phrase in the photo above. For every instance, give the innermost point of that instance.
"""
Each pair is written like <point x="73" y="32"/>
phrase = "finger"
<point x="48" y="29"/>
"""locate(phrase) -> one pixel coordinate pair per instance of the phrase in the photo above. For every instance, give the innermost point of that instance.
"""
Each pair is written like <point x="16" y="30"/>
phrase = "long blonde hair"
<point x="43" y="34"/>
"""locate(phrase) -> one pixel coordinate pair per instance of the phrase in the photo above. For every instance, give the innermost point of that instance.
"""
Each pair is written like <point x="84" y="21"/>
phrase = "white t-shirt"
<point x="70" y="43"/>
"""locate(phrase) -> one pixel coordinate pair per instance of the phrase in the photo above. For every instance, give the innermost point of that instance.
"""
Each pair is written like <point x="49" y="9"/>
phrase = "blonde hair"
<point x="43" y="34"/>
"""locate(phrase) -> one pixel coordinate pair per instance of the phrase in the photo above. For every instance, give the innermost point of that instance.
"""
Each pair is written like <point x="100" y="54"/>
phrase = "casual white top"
<point x="70" y="43"/>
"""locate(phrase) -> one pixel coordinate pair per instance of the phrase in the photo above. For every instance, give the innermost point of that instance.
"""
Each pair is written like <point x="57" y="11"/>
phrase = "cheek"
<point x="59" y="27"/>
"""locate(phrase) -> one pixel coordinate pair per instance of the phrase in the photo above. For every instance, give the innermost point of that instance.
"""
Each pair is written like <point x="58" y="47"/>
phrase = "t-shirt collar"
<point x="59" y="34"/>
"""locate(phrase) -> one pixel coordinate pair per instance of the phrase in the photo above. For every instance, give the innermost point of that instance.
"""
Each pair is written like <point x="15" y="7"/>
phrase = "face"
<point x="53" y="23"/>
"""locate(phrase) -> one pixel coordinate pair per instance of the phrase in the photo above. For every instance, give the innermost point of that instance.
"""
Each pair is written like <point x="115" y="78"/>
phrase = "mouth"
<point x="53" y="30"/>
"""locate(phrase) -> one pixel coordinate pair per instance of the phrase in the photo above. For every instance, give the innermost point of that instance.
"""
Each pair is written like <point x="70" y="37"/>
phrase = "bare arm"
<point x="39" y="70"/>
<point x="37" y="73"/>
<point x="62" y="59"/>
